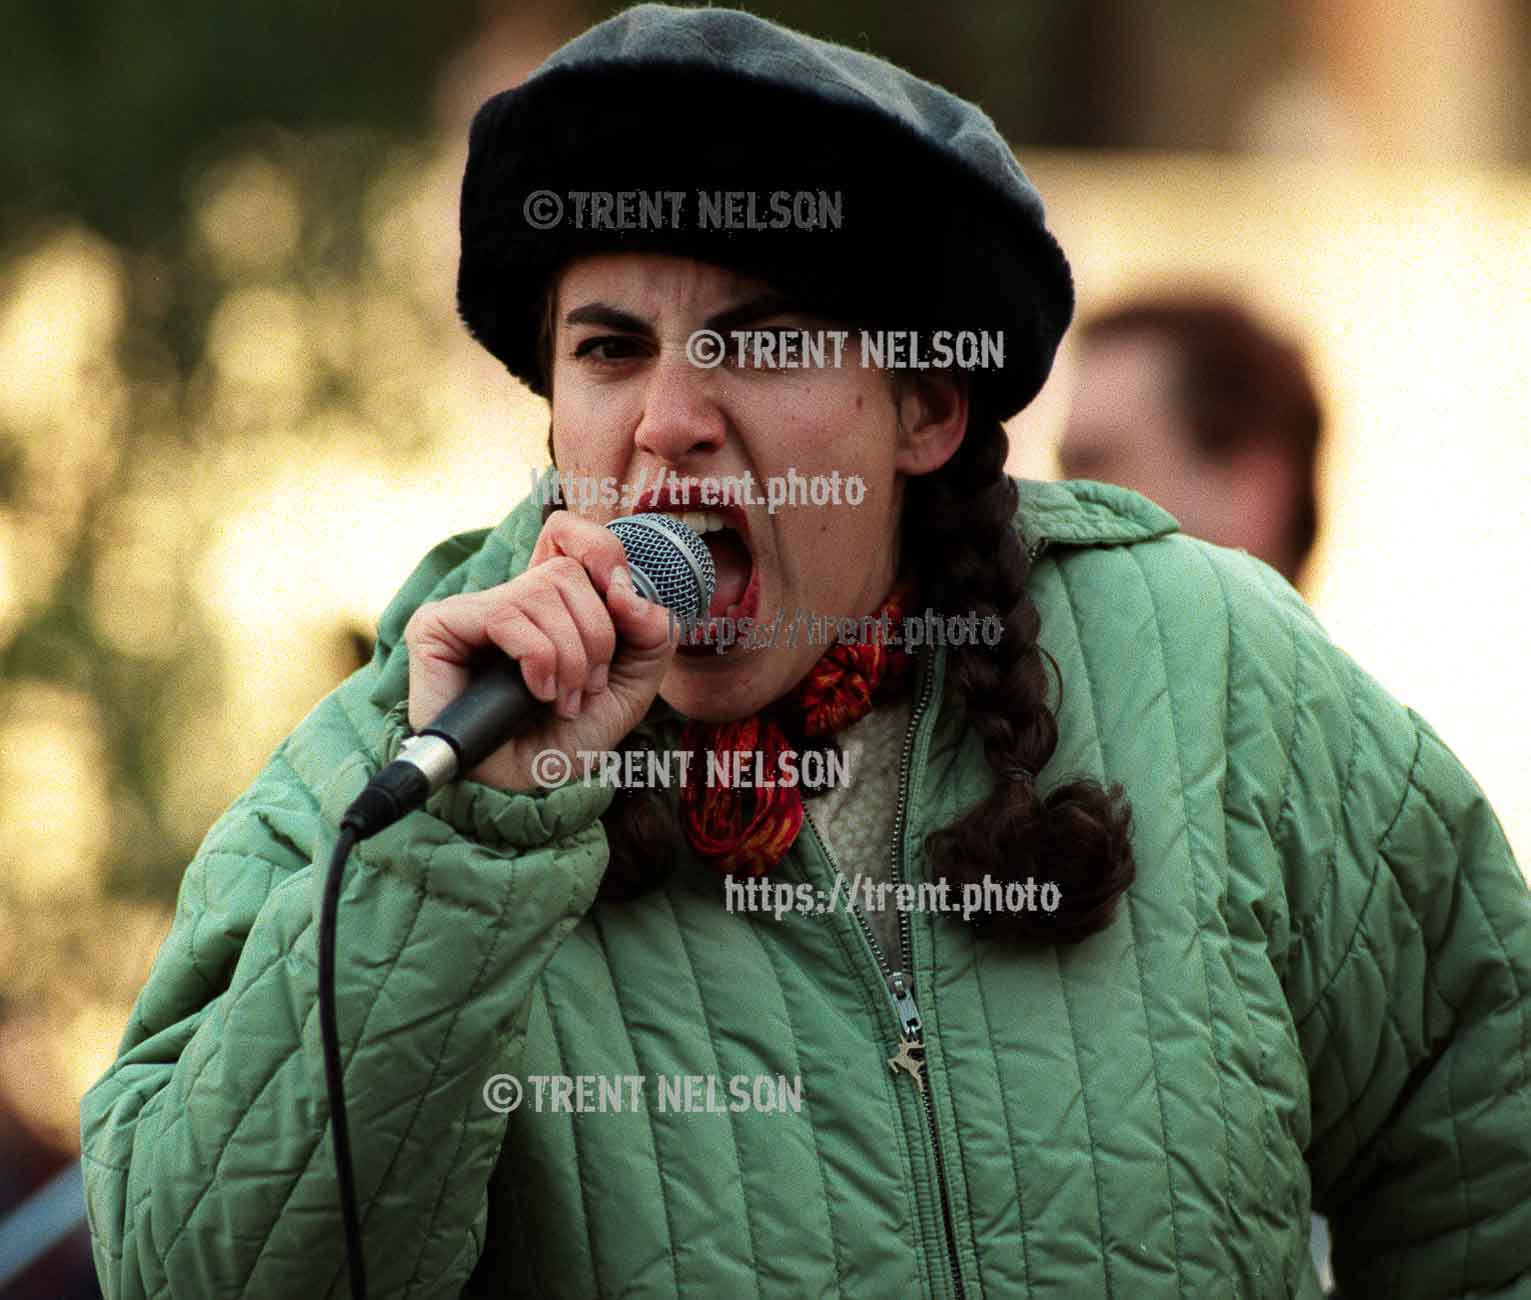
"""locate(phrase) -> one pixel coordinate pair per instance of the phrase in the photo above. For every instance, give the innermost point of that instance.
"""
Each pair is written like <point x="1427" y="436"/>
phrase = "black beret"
<point x="919" y="217"/>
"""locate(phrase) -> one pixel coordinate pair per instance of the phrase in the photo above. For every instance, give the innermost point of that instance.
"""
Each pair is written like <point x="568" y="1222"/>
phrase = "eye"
<point x="608" y="347"/>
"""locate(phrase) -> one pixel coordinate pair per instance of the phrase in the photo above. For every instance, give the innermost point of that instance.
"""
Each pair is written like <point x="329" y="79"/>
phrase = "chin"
<point x="719" y="688"/>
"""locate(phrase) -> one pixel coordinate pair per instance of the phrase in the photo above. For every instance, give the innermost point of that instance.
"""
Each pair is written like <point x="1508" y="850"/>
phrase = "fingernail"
<point x="571" y="703"/>
<point x="598" y="680"/>
<point x="621" y="579"/>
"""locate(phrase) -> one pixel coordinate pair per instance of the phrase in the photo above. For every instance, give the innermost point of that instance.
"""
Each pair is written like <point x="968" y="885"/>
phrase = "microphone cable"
<point x="671" y="566"/>
<point x="333" y="1081"/>
<point x="395" y="790"/>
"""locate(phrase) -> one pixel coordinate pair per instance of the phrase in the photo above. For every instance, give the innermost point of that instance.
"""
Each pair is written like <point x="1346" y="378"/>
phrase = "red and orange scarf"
<point x="747" y="831"/>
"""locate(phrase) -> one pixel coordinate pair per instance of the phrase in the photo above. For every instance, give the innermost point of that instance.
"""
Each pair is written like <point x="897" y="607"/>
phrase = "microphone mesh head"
<point x="672" y="559"/>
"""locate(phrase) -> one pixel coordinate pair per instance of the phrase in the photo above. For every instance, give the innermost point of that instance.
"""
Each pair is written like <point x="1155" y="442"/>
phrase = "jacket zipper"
<point x="900" y="985"/>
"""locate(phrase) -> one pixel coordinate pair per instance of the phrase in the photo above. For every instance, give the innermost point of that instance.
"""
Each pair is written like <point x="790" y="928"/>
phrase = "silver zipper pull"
<point x="910" y="1057"/>
<point x="902" y="988"/>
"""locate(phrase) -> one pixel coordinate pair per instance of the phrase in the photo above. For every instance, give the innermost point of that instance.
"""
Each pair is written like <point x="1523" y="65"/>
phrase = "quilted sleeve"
<point x="209" y="1169"/>
<point x="1408" y="987"/>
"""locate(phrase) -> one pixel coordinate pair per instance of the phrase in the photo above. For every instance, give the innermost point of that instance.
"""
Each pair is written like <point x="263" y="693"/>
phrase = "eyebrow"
<point x="760" y="307"/>
<point x="601" y="313"/>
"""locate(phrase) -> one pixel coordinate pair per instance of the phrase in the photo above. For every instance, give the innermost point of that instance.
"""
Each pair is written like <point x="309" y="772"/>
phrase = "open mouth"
<point x="737" y="593"/>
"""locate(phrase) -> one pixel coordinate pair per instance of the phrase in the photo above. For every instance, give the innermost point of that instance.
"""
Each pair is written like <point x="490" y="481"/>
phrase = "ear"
<point x="932" y="419"/>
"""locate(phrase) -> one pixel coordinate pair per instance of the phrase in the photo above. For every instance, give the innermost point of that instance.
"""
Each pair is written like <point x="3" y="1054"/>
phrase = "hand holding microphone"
<point x="567" y="656"/>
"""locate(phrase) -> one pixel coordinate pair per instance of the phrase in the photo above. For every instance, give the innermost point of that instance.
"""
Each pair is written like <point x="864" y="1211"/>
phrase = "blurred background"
<point x="236" y="405"/>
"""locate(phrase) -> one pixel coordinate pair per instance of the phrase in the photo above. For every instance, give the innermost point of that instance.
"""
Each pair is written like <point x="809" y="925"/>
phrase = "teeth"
<point x="700" y="521"/>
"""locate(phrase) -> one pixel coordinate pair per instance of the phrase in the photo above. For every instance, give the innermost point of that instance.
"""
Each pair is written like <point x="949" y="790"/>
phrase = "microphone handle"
<point x="493" y="707"/>
<point x="494" y="704"/>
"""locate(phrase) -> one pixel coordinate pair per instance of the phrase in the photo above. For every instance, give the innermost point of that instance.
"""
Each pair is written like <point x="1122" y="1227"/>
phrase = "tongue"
<point x="732" y="563"/>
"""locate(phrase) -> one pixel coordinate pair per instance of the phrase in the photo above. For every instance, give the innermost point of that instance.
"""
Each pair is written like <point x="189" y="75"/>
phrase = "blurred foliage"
<point x="125" y="126"/>
<point x="105" y="108"/>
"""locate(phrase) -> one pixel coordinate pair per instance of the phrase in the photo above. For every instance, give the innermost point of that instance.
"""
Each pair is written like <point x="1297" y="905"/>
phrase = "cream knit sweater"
<point x="855" y="820"/>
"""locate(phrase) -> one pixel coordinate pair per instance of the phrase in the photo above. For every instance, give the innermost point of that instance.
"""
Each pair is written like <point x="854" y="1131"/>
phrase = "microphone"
<point x="671" y="566"/>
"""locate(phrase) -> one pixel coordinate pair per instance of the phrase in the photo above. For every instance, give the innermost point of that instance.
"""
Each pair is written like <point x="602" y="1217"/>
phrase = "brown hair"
<point x="1238" y="383"/>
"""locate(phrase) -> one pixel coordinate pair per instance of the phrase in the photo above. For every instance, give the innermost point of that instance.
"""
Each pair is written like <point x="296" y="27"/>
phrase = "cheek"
<point x="586" y="436"/>
<point x="854" y="437"/>
<point x="864" y="462"/>
<point x="834" y="552"/>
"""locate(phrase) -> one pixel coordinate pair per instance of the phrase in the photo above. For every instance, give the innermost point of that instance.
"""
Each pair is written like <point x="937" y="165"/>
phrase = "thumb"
<point x="648" y="636"/>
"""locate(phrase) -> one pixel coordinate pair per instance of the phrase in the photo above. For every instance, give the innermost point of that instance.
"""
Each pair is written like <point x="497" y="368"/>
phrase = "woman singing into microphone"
<point x="1131" y="922"/>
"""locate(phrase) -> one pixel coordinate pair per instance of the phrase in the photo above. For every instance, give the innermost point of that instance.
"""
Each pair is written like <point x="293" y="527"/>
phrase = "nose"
<point x="681" y="414"/>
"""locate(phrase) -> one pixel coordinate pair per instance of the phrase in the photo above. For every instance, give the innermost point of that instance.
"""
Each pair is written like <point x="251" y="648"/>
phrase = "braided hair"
<point x="958" y="535"/>
<point x="969" y="557"/>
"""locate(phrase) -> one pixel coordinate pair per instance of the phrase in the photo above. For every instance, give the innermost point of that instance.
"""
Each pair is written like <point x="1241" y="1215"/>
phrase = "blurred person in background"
<point x="1288" y="950"/>
<point x="1192" y="401"/>
<point x="30" y="1163"/>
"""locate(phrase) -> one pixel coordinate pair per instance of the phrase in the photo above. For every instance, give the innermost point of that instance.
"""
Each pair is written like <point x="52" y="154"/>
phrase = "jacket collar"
<point x="1082" y="512"/>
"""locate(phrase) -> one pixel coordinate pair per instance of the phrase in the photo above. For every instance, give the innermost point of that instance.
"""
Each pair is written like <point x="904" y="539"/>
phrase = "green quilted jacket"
<point x="1313" y="995"/>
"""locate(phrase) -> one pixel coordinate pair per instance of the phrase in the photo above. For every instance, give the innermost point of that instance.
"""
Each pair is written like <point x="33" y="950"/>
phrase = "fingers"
<point x="442" y="638"/>
<point x="561" y="631"/>
<point x="643" y="626"/>
<point x="640" y="625"/>
<point x="563" y="620"/>
<point x="594" y="546"/>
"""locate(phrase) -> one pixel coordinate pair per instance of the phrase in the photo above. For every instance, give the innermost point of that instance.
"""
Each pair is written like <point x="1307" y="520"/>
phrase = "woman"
<point x="1287" y="959"/>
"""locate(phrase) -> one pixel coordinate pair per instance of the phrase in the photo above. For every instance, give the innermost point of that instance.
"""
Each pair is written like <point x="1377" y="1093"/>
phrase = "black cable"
<point x="388" y="796"/>
<point x="333" y="1079"/>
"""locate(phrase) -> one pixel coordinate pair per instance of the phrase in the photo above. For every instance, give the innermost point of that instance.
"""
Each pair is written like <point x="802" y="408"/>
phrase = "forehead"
<point x="653" y="279"/>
